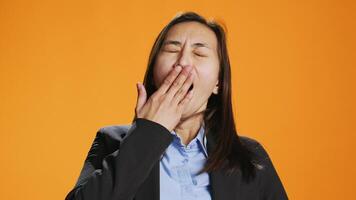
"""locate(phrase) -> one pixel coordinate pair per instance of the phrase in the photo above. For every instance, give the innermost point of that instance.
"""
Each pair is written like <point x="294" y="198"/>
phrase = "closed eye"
<point x="200" y="55"/>
<point x="177" y="51"/>
<point x="172" y="51"/>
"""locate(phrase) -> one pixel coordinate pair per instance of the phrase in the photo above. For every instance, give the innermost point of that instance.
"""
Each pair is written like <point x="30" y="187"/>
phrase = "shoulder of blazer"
<point x="261" y="157"/>
<point x="112" y="136"/>
<point x="270" y="184"/>
<point x="115" y="132"/>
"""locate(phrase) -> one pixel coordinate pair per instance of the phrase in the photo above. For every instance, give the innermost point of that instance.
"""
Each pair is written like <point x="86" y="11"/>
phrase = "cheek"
<point x="209" y="73"/>
<point x="161" y="69"/>
<point x="208" y="76"/>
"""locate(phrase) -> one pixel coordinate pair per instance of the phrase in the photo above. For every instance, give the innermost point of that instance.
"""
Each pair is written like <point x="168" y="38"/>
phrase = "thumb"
<point x="141" y="96"/>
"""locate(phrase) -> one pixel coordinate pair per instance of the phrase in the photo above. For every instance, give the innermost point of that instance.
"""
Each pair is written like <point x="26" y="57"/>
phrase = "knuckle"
<point x="176" y="83"/>
<point x="157" y="98"/>
<point x="167" y="81"/>
<point x="154" y="98"/>
<point x="181" y="91"/>
<point x="180" y="105"/>
<point x="181" y="81"/>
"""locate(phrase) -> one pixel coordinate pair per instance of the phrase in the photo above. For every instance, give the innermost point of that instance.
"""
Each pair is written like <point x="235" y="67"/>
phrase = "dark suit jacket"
<point x="123" y="164"/>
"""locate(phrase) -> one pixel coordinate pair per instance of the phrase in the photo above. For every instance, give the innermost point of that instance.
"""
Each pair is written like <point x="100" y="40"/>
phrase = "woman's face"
<point x="194" y="44"/>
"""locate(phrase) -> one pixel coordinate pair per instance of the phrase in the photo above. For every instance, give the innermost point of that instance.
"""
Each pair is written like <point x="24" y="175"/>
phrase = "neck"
<point x="188" y="128"/>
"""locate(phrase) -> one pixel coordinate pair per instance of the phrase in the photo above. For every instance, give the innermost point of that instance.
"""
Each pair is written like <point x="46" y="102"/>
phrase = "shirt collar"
<point x="201" y="137"/>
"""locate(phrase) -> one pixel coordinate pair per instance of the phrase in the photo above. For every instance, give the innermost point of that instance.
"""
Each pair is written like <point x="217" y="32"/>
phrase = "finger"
<point x="177" y="84"/>
<point x="141" y="97"/>
<point x="186" y="100"/>
<point x="183" y="90"/>
<point x="169" y="80"/>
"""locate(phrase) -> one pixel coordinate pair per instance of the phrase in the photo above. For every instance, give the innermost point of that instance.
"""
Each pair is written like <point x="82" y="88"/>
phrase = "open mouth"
<point x="191" y="87"/>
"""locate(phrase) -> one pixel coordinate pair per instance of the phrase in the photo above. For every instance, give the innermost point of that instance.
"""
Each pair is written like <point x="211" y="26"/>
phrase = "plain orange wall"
<point x="68" y="68"/>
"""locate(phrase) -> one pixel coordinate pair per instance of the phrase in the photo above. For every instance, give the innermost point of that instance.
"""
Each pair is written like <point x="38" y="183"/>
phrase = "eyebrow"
<point x="177" y="43"/>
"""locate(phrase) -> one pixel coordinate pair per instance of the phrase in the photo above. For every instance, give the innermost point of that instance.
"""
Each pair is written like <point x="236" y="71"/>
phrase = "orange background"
<point x="68" y="68"/>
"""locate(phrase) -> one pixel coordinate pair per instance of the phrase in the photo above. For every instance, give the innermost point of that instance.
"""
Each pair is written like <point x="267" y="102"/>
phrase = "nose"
<point x="184" y="59"/>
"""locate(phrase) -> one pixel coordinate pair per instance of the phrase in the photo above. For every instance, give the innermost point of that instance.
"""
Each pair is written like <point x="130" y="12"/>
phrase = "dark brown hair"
<point x="218" y="116"/>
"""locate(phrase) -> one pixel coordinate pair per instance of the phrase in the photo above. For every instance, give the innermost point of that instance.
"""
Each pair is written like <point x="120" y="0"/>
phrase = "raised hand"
<point x="167" y="104"/>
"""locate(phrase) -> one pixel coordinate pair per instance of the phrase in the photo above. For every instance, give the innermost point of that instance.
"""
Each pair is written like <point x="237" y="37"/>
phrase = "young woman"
<point x="182" y="143"/>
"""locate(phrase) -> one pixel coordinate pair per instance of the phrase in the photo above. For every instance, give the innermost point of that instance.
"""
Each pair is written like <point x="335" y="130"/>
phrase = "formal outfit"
<point x="145" y="161"/>
<point x="179" y="168"/>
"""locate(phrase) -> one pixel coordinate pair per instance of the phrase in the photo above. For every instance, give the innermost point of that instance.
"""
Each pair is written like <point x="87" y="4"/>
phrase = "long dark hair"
<point x="218" y="116"/>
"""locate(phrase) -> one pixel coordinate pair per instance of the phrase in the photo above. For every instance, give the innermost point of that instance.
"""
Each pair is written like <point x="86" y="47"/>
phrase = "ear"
<point x="216" y="88"/>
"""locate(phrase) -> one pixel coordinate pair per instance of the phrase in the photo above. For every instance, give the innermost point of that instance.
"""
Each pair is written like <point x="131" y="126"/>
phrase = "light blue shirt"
<point x="179" y="167"/>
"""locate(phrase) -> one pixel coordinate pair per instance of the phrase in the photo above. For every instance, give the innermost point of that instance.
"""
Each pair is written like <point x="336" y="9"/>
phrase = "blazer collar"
<point x="223" y="186"/>
<point x="200" y="138"/>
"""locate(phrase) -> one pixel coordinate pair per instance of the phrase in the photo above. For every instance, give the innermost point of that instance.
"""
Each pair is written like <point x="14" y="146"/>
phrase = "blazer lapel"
<point x="223" y="186"/>
<point x="149" y="189"/>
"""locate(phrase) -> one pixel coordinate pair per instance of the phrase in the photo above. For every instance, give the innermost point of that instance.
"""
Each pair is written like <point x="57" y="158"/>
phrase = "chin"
<point x="187" y="111"/>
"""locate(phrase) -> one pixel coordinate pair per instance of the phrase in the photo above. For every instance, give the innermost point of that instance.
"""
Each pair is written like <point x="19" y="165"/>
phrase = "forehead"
<point x="194" y="31"/>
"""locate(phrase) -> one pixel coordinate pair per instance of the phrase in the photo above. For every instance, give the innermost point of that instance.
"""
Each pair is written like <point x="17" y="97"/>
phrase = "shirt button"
<point x="194" y="182"/>
<point x="185" y="160"/>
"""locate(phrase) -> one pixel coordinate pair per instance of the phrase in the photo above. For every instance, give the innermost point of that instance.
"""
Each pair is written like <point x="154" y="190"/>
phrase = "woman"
<point x="182" y="143"/>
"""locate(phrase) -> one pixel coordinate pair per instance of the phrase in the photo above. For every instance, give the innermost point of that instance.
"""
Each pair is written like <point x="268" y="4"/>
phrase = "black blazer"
<point x="123" y="164"/>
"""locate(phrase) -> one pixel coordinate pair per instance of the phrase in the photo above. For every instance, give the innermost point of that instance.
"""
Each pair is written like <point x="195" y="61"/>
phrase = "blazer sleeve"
<point x="271" y="185"/>
<point x="118" y="175"/>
